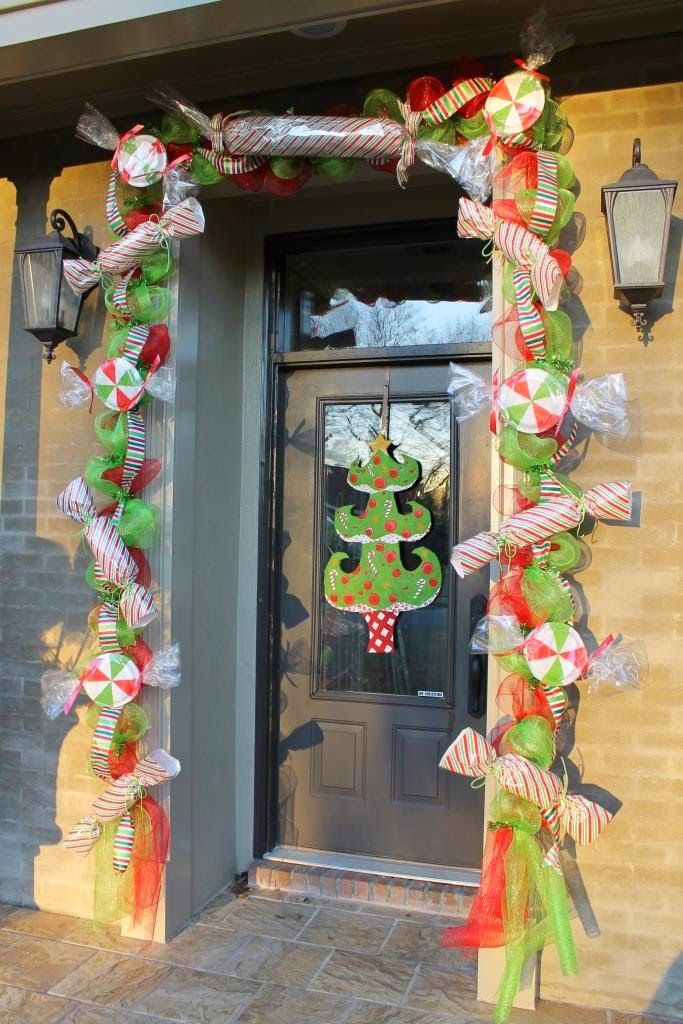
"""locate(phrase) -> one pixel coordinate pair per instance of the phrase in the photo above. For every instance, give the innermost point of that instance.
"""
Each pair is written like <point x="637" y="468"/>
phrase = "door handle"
<point x="477" y="683"/>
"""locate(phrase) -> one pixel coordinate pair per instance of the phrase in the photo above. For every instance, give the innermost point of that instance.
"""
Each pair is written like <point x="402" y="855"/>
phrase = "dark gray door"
<point x="361" y="734"/>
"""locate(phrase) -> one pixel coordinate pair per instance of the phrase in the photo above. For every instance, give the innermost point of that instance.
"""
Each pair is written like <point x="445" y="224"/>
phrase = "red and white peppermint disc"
<point x="141" y="160"/>
<point x="118" y="384"/>
<point x="556" y="654"/>
<point x="111" y="679"/>
<point x="532" y="400"/>
<point x="514" y="104"/>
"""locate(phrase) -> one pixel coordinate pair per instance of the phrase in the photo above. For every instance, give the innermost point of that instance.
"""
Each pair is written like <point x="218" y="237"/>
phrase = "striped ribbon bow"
<point x="181" y="221"/>
<point x="456" y="98"/>
<point x="472" y="755"/>
<point x="111" y="554"/>
<point x="604" y="501"/>
<point x="119" y="797"/>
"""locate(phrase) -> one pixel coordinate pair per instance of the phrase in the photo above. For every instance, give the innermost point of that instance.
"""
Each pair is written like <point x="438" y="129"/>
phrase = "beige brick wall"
<point x="631" y="744"/>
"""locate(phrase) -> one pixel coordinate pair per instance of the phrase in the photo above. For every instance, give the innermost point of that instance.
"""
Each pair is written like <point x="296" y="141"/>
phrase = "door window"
<point x="383" y="292"/>
<point x="419" y="665"/>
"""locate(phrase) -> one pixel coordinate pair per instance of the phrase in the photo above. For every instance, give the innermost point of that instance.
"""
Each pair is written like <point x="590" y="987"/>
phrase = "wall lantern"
<point x="637" y="209"/>
<point x="52" y="308"/>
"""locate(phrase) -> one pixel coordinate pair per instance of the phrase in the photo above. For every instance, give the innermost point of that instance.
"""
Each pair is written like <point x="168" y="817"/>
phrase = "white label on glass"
<point x="430" y="693"/>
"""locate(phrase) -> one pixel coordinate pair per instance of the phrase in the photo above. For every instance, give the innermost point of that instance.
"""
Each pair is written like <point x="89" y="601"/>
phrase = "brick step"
<point x="447" y="898"/>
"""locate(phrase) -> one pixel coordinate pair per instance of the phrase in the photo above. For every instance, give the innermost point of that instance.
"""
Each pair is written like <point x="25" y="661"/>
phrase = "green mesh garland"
<point x="509" y="809"/>
<point x="383" y="103"/>
<point x="531" y="738"/>
<point x="146" y="303"/>
<point x="337" y="168"/>
<point x="524" y="451"/>
<point x="132" y="725"/>
<point x="111" y="430"/>
<point x="515" y="662"/>
<point x="95" y="467"/>
<point x="203" y="171"/>
<point x="124" y="634"/>
<point x="139" y="524"/>
<point x="565" y="552"/>
<point x="559" y="343"/>
<point x="117" y="332"/>
<point x="157" y="266"/>
<point x="471" y="127"/>
<point x="545" y="595"/>
<point x="174" y="128"/>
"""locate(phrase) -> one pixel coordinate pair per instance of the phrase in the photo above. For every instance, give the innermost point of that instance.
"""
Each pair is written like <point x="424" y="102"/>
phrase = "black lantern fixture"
<point x="637" y="209"/>
<point x="52" y="308"/>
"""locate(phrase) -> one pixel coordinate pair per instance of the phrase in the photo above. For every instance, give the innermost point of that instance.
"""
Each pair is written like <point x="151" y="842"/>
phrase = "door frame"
<point x="276" y="365"/>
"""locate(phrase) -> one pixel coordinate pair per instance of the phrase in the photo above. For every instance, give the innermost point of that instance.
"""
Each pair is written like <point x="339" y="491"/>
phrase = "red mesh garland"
<point x="468" y="67"/>
<point x="157" y="346"/>
<point x="150" y="852"/>
<point x="484" y="927"/>
<point x="285" y="187"/>
<point x="124" y="762"/>
<point x="423" y="91"/>
<point x="518" y="699"/>
<point x="250" y="181"/>
<point x="506" y="598"/>
<point x="139" y="652"/>
<point x="148" y="471"/>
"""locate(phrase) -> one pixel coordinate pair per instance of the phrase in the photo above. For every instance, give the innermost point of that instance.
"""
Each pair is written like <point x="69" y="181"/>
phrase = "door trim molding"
<point x="375" y="866"/>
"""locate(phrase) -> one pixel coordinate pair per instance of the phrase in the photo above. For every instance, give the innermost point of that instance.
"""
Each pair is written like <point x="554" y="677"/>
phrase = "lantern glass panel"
<point x="639" y="220"/>
<point x="40" y="272"/>
<point x="69" y="306"/>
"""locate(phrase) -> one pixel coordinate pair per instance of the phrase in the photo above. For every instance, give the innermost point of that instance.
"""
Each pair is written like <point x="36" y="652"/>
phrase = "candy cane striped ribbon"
<point x="540" y="552"/>
<point x="120" y="296"/>
<point x="566" y="445"/>
<point x="545" y="207"/>
<point x="227" y="165"/>
<point x="610" y="501"/>
<point x="106" y="626"/>
<point x="123" y="843"/>
<point x="530" y="322"/>
<point x="134" y="458"/>
<point x="102" y="741"/>
<point x="549" y="488"/>
<point x="135" y="342"/>
<point x="451" y="102"/>
<point x="557" y="702"/>
<point x="111" y="207"/>
<point x="317" y="135"/>
<point x="552" y="859"/>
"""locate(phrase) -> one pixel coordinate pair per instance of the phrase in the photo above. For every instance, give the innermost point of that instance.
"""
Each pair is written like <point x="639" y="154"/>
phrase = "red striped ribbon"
<point x="456" y="98"/>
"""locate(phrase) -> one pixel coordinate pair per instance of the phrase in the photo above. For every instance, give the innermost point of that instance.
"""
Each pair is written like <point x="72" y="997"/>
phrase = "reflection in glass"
<point x="378" y="296"/>
<point x="421" y="659"/>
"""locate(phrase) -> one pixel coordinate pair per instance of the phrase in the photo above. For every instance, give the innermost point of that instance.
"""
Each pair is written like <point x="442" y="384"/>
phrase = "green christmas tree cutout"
<point x="380" y="587"/>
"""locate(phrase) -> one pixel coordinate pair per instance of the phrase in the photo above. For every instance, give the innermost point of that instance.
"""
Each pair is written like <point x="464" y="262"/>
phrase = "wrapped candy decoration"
<point x="163" y="670"/>
<point x="59" y="690"/>
<point x="118" y="797"/>
<point x="100" y="532"/>
<point x="604" y="501"/>
<point x="140" y="159"/>
<point x="181" y="221"/>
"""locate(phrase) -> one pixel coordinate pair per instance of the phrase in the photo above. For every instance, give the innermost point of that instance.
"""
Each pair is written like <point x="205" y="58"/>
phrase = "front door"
<point x="361" y="727"/>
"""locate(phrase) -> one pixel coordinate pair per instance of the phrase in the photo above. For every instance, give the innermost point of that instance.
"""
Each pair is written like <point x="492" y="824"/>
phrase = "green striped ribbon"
<point x="451" y="102"/>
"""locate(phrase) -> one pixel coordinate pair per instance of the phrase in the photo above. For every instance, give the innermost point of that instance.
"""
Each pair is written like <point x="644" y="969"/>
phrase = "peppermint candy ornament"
<point x="556" y="654"/>
<point x="141" y="160"/>
<point x="118" y="384"/>
<point x="532" y="400"/>
<point x="111" y="679"/>
<point x="514" y="104"/>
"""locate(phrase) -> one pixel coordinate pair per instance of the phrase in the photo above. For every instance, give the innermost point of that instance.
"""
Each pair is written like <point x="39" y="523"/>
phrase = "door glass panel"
<point x="420" y="663"/>
<point x="401" y="293"/>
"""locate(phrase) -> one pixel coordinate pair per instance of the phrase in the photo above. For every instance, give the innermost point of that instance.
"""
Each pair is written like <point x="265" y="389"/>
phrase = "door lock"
<point x="478" y="665"/>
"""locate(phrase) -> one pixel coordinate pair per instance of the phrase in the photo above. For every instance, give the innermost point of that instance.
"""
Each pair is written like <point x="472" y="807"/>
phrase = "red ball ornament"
<point x="353" y="477"/>
<point x="393" y="473"/>
<point x="345" y="579"/>
<point x="367" y="585"/>
<point x="390" y="526"/>
<point x="396" y="572"/>
<point x="391" y="556"/>
<point x="433" y="583"/>
<point x="374" y="599"/>
<point x="393" y="597"/>
<point x="406" y="533"/>
<point x="423" y="91"/>
<point x="380" y="547"/>
<point x="380" y="482"/>
<point x="372" y="503"/>
<point x="348" y="599"/>
<point x="418" y="513"/>
<point x="176" y="149"/>
<point x="376" y="460"/>
<point x="333" y="598"/>
<point x="427" y="568"/>
<point x="369" y="531"/>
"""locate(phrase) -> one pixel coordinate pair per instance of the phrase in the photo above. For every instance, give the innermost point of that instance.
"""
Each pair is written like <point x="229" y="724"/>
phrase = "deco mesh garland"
<point x="460" y="129"/>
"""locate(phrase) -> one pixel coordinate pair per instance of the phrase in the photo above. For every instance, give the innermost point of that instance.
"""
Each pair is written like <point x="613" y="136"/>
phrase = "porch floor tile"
<point x="257" y="958"/>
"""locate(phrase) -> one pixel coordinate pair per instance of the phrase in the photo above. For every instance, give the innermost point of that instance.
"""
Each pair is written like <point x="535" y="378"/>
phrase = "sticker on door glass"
<point x="380" y="587"/>
<point x="431" y="693"/>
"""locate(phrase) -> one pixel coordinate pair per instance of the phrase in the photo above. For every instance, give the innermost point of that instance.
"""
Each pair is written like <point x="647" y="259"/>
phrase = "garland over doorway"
<point x="459" y="129"/>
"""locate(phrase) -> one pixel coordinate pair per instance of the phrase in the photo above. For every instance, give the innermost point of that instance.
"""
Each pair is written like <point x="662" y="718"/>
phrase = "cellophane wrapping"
<point x="466" y="164"/>
<point x="622" y="667"/>
<point x="96" y="129"/>
<point x="600" y="403"/>
<point x="469" y="392"/>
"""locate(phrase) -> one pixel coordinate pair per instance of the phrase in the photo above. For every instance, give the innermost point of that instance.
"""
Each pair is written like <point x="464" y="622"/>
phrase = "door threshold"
<point x="364" y="865"/>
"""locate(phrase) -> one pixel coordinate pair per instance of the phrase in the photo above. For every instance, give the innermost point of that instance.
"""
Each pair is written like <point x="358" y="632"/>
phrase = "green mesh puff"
<point x="157" y="266"/>
<point x="565" y="210"/>
<point x="117" y="333"/>
<point x="530" y="486"/>
<point x="558" y="334"/>
<point x="514" y="662"/>
<point x="382" y="103"/>
<point x="174" y="128"/>
<point x="549" y="129"/>
<point x="444" y="132"/>
<point x="132" y="725"/>
<point x="111" y="430"/>
<point x="508" y="809"/>
<point x="471" y="127"/>
<point x="508" y="284"/>
<point x="531" y="738"/>
<point x="203" y="171"/>
<point x="95" y="467"/>
<point x="565" y="172"/>
<point x="545" y="595"/>
<point x="148" y="304"/>
<point x="139" y="524"/>
<point x="124" y="634"/>
<point x="524" y="451"/>
<point x="287" y="167"/>
<point x="134" y="198"/>
<point x="334" y="167"/>
<point x="565" y="552"/>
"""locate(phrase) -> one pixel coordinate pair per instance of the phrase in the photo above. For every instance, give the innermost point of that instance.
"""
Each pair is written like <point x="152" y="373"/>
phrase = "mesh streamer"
<point x="518" y="699"/>
<point x="507" y="598"/>
<point x="95" y="472"/>
<point x="286" y="187"/>
<point x="524" y="451"/>
<point x="516" y="663"/>
<point x="423" y="91"/>
<point x="336" y="168"/>
<point x="124" y="634"/>
<point x="111" y="430"/>
<point x="484" y="927"/>
<point x="140" y="653"/>
<point x="566" y="552"/>
<point x="559" y="342"/>
<point x="203" y="171"/>
<point x="139" y="524"/>
<point x="510" y="500"/>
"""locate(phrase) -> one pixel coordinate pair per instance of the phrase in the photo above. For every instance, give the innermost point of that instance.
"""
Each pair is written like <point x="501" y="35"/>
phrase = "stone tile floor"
<point x="260" y="958"/>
